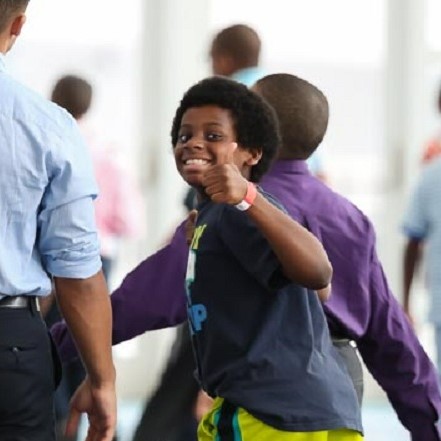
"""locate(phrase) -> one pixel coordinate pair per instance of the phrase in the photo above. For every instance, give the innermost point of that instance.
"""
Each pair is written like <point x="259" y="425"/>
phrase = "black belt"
<point x="18" y="302"/>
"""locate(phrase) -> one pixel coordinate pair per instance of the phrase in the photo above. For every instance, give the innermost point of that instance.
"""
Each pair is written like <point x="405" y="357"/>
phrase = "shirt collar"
<point x="295" y="166"/>
<point x="2" y="62"/>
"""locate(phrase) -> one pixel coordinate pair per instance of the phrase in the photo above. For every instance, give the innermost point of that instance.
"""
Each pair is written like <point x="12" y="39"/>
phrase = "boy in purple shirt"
<point x="361" y="306"/>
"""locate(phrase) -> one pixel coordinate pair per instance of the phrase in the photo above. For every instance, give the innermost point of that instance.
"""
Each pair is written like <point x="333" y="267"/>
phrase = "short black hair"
<point x="255" y="123"/>
<point x="302" y="110"/>
<point x="240" y="42"/>
<point x="8" y="8"/>
<point x="73" y="94"/>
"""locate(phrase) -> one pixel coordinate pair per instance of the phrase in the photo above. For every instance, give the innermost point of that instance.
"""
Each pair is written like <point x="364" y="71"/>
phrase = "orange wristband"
<point x="249" y="198"/>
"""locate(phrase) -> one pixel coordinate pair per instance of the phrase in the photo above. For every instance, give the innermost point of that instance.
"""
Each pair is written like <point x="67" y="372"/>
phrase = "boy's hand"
<point x="223" y="182"/>
<point x="203" y="405"/>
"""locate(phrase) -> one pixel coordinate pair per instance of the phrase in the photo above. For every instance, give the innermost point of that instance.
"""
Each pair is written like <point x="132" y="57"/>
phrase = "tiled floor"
<point x="379" y="421"/>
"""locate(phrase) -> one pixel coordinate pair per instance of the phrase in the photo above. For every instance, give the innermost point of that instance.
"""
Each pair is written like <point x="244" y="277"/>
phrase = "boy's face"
<point x="205" y="138"/>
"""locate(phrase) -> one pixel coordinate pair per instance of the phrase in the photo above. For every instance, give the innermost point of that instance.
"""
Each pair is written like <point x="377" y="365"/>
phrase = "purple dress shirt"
<point x="361" y="306"/>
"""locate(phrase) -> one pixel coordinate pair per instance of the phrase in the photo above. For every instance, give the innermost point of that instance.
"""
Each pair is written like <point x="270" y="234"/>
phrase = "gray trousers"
<point x="348" y="352"/>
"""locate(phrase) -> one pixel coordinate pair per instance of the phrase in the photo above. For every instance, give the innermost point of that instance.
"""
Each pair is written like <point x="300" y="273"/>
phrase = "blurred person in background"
<point x="422" y="229"/>
<point x="48" y="231"/>
<point x="361" y="307"/>
<point x="235" y="53"/>
<point x="117" y="208"/>
<point x="114" y="209"/>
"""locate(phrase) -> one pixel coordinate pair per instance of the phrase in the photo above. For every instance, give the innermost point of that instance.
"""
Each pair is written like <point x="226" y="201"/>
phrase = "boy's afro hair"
<point x="255" y="122"/>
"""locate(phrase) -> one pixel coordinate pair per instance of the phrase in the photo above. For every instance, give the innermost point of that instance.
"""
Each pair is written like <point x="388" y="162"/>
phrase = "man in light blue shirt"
<point x="47" y="230"/>
<point x="422" y="226"/>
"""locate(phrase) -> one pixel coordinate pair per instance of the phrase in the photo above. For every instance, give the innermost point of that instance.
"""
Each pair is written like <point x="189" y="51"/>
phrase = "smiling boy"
<point x="260" y="339"/>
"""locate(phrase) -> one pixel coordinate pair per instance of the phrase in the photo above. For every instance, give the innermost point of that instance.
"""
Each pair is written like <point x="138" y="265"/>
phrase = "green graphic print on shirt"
<point x="197" y="313"/>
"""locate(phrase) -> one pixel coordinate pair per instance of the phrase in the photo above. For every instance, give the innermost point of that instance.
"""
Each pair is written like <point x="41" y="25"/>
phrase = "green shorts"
<point x="235" y="424"/>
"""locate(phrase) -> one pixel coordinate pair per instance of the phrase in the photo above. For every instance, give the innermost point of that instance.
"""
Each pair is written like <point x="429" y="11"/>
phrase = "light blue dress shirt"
<point x="248" y="76"/>
<point x="423" y="221"/>
<point x="315" y="163"/>
<point x="47" y="187"/>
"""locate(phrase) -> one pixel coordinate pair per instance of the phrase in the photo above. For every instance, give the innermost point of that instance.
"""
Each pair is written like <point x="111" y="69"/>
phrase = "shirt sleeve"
<point x="415" y="223"/>
<point x="250" y="248"/>
<point x="152" y="296"/>
<point x="396" y="359"/>
<point x="67" y="235"/>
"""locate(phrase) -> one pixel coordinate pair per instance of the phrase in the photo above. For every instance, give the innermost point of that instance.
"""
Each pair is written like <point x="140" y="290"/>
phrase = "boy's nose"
<point x="195" y="143"/>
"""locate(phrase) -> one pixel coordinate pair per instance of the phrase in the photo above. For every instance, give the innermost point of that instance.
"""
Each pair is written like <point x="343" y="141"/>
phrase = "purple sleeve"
<point x="152" y="296"/>
<point x="396" y="359"/>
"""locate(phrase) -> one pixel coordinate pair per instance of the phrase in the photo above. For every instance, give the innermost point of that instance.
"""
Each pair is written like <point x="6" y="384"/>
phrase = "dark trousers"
<point x="168" y="415"/>
<point x="28" y="377"/>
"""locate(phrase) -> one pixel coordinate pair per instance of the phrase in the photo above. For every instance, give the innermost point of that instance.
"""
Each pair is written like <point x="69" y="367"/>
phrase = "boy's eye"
<point x="214" y="136"/>
<point x="183" y="138"/>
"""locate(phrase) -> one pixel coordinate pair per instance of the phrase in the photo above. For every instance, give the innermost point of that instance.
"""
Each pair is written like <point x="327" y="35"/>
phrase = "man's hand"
<point x="223" y="183"/>
<point x="100" y="405"/>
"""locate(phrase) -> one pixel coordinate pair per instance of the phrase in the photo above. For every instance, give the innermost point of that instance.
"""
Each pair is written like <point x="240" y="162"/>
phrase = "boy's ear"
<point x="254" y="158"/>
<point x="17" y="25"/>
